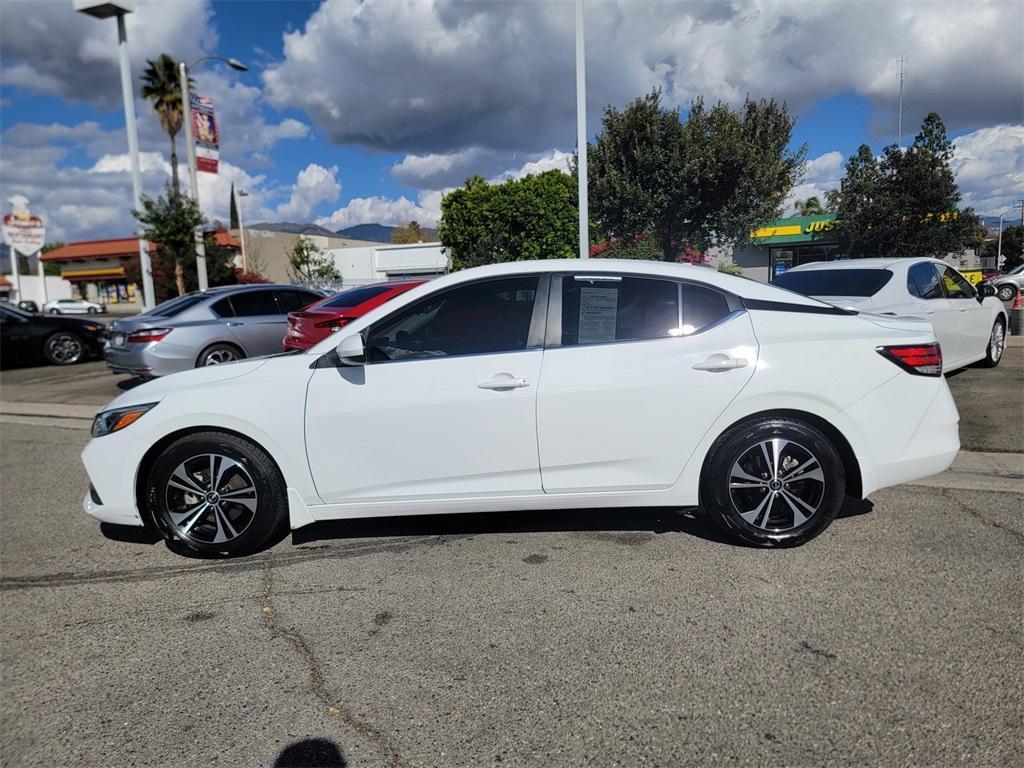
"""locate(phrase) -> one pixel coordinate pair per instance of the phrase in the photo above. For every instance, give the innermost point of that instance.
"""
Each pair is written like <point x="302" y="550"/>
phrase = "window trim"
<point x="553" y="339"/>
<point x="534" y="337"/>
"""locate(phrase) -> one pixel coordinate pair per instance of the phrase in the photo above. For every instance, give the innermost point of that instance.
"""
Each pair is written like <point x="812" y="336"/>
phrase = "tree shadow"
<point x="311" y="753"/>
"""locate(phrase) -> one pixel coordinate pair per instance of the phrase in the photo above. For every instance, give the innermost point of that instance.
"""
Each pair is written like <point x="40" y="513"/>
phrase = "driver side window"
<point x="485" y="317"/>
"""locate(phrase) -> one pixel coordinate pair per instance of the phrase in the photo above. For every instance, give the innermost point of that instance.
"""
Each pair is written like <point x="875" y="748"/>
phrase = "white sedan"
<point x="970" y="323"/>
<point x="71" y="307"/>
<point x="539" y="385"/>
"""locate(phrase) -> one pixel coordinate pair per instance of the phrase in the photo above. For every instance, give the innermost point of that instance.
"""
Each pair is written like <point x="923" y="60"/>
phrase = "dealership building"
<point x="790" y="242"/>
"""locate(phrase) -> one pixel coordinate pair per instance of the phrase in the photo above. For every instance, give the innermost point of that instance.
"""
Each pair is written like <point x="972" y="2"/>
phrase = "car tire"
<point x="1006" y="292"/>
<point x="63" y="348"/>
<point x="773" y="482"/>
<point x="240" y="512"/>
<point x="93" y="311"/>
<point x="54" y="311"/>
<point x="996" y="345"/>
<point x="218" y="354"/>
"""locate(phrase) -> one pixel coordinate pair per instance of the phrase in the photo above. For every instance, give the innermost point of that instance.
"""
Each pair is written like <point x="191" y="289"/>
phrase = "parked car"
<point x="26" y="338"/>
<point x="318" y="321"/>
<point x="1007" y="285"/>
<point x="219" y="325"/>
<point x="539" y="385"/>
<point x="71" y="307"/>
<point x="29" y="306"/>
<point x="970" y="323"/>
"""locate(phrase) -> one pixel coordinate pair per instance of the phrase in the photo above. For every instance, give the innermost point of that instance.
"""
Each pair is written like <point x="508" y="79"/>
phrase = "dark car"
<point x="53" y="339"/>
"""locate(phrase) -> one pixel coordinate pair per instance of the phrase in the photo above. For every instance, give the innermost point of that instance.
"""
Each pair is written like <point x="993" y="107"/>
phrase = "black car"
<point x="54" y="339"/>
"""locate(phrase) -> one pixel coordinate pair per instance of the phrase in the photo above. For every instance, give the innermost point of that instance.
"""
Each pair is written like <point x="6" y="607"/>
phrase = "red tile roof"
<point x="225" y="239"/>
<point x="92" y="249"/>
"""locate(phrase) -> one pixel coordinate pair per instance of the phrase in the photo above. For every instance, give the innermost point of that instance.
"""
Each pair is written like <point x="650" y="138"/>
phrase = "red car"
<point x="319" y="320"/>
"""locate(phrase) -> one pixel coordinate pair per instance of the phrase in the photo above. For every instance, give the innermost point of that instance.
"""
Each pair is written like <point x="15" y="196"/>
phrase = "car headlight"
<point x="118" y="418"/>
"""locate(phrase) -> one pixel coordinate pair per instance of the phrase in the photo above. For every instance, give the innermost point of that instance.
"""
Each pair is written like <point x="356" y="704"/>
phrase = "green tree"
<point x="410" y="233"/>
<point x="904" y="203"/>
<point x="710" y="180"/>
<point x="161" y="84"/>
<point x="535" y="217"/>
<point x="49" y="268"/>
<point x="233" y="210"/>
<point x="809" y="207"/>
<point x="171" y="220"/>
<point x="1013" y="247"/>
<point x="308" y="264"/>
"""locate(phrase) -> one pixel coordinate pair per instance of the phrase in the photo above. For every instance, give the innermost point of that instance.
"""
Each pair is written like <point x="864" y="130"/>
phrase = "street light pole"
<point x="581" y="132"/>
<point x="103" y="10"/>
<point x="193" y="176"/>
<point x="239" y="194"/>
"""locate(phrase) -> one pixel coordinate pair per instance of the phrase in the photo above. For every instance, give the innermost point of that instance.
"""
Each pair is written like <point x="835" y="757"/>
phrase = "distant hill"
<point x="294" y="227"/>
<point x="376" y="233"/>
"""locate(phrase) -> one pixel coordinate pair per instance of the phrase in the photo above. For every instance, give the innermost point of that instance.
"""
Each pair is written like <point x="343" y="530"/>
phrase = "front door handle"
<point x="720" y="362"/>
<point x="232" y="325"/>
<point x="503" y="381"/>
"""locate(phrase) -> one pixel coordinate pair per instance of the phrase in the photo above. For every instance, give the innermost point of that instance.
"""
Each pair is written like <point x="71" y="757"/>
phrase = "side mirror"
<point x="350" y="350"/>
<point x="985" y="290"/>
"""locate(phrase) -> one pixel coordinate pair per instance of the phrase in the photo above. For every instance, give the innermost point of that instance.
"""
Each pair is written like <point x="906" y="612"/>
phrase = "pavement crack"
<point x="317" y="680"/>
<point x="946" y="494"/>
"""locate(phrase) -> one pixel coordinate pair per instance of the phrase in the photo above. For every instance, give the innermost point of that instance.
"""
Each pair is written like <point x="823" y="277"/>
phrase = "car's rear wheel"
<point x="93" y="311"/>
<point x="218" y="354"/>
<point x="773" y="482"/>
<point x="54" y="311"/>
<point x="63" y="348"/>
<point x="1006" y="292"/>
<point x="996" y="345"/>
<point x="216" y="492"/>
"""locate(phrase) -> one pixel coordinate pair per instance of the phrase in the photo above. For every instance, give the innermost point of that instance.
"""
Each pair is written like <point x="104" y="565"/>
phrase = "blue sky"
<point x="357" y="112"/>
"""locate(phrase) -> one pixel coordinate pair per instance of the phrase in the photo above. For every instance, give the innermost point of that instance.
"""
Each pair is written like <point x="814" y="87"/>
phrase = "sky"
<point x="369" y="111"/>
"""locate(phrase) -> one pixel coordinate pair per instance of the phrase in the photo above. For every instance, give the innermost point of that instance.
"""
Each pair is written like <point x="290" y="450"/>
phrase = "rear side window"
<point x="252" y="303"/>
<point x="701" y="307"/>
<point x="599" y="309"/>
<point x="223" y="308"/>
<point x="355" y="296"/>
<point x="923" y="282"/>
<point x="834" y="282"/>
<point x="292" y="299"/>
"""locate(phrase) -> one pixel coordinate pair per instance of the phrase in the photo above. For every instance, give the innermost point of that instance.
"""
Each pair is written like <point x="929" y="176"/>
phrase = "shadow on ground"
<point x="311" y="753"/>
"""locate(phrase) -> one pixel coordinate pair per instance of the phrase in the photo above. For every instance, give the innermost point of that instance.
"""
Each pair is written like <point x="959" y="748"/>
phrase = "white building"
<point x="374" y="264"/>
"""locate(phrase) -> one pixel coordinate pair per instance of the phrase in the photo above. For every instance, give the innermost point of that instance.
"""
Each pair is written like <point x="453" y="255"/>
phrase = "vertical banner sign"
<point x="23" y="231"/>
<point x="204" y="129"/>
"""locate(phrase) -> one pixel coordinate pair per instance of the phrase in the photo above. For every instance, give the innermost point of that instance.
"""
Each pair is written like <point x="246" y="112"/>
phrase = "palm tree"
<point x="162" y="86"/>
<point x="809" y="207"/>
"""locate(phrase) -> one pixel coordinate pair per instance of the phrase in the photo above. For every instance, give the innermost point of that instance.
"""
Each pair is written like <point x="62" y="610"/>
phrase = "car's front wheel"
<point x="218" y="493"/>
<point x="996" y="345"/>
<point x="93" y="311"/>
<point x="63" y="348"/>
<point x="773" y="482"/>
<point x="54" y="311"/>
<point x="1006" y="292"/>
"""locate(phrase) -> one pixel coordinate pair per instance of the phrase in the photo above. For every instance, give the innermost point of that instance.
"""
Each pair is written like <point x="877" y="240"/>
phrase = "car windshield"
<point x="834" y="282"/>
<point x="356" y="296"/>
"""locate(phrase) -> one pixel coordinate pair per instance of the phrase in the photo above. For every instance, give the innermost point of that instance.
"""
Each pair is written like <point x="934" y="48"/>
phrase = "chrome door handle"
<point x="502" y="381"/>
<point x="720" y="363"/>
<point x="232" y="325"/>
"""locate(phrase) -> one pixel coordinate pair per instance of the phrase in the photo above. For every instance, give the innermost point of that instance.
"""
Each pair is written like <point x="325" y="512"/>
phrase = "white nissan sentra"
<point x="539" y="385"/>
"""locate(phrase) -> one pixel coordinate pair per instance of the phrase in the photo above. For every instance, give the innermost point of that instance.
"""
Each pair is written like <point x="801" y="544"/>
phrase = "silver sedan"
<point x="209" y="327"/>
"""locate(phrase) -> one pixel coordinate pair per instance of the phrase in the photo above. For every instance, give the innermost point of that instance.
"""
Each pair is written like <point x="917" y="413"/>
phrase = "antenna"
<point x="902" y="61"/>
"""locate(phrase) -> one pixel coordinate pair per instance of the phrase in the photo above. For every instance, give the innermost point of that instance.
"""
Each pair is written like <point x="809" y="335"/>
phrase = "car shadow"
<point x="130" y="383"/>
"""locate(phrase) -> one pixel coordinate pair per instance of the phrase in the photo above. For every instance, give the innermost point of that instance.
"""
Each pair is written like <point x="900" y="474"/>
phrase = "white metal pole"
<point x="186" y="108"/>
<point x="899" y="140"/>
<point x="999" y="249"/>
<point x="133" y="151"/>
<point x="241" y="229"/>
<point x="15" y="273"/>
<point x="42" y="275"/>
<point x="581" y="131"/>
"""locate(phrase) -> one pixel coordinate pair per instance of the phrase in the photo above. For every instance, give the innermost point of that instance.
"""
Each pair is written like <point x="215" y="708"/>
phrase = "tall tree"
<point x="710" y="180"/>
<point x="171" y="220"/>
<point x="534" y="217"/>
<point x="410" y="233"/>
<point x="233" y="210"/>
<point x="161" y="84"/>
<point x="809" y="207"/>
<point x="308" y="264"/>
<point x="904" y="203"/>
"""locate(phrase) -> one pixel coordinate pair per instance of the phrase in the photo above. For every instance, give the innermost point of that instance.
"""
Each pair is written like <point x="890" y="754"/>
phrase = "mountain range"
<point x="374" y="233"/>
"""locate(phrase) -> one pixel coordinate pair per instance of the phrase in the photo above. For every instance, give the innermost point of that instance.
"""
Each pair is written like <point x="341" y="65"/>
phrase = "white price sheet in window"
<point x="598" y="310"/>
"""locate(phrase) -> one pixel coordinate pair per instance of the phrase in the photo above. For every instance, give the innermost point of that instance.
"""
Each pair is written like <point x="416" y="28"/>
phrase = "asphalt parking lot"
<point x="628" y="637"/>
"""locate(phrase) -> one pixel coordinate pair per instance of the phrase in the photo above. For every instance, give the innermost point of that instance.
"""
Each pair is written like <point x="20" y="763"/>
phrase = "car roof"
<point x="866" y="263"/>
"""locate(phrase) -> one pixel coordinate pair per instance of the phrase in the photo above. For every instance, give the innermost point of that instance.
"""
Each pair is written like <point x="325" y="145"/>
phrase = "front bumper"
<point x="111" y="462"/>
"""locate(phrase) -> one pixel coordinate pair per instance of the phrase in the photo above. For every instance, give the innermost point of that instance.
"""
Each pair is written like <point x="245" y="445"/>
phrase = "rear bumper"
<point x="154" y="359"/>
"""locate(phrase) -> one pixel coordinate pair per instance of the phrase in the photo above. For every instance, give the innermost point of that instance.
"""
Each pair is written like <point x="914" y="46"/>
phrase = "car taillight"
<point x="334" y="322"/>
<point x="919" y="359"/>
<point x="147" y="335"/>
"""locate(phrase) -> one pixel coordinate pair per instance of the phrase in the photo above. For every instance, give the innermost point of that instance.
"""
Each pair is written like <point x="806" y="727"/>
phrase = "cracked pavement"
<point x="623" y="637"/>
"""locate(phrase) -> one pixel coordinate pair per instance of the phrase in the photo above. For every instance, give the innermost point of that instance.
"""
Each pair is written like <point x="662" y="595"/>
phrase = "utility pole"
<point x="581" y="132"/>
<point x="903" y="64"/>
<point x="193" y="176"/>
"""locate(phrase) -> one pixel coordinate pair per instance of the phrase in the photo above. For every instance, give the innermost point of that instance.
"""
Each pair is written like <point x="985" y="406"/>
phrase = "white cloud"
<point x="436" y="78"/>
<point x="148" y="161"/>
<point x="555" y="160"/>
<point x="314" y="185"/>
<point x="382" y="210"/>
<point x="989" y="168"/>
<point x="821" y="175"/>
